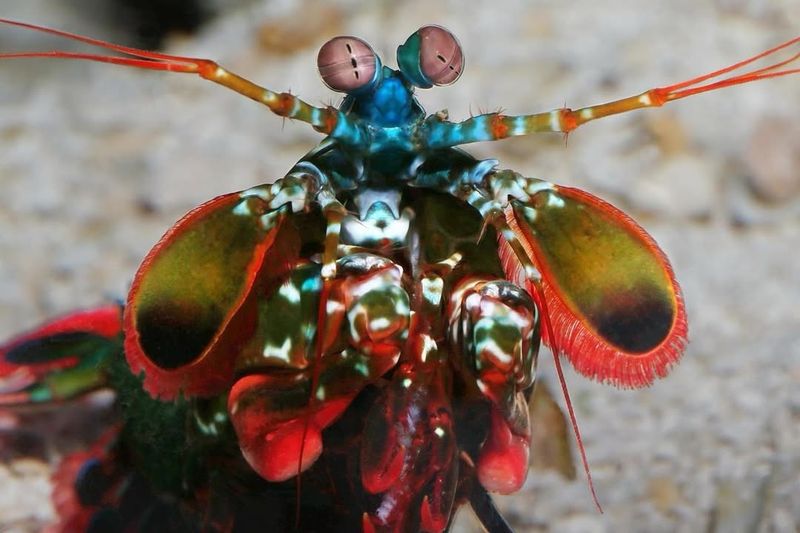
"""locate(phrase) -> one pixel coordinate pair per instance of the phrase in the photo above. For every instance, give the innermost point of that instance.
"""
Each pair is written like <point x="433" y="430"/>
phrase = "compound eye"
<point x="440" y="57"/>
<point x="431" y="56"/>
<point x="348" y="64"/>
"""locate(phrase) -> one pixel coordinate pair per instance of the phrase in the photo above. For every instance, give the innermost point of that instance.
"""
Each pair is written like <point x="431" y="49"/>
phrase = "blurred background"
<point x="96" y="162"/>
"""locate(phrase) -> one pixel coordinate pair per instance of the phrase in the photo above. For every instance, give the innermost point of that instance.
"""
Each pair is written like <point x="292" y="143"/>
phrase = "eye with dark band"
<point x="431" y="56"/>
<point x="440" y="56"/>
<point x="348" y="64"/>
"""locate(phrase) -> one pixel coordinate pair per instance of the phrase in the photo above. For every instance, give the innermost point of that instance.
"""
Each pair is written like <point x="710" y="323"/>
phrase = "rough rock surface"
<point x="96" y="162"/>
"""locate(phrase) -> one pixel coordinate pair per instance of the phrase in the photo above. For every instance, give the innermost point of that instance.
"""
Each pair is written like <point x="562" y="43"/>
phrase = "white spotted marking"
<point x="242" y="209"/>
<point x="296" y="196"/>
<point x="267" y="220"/>
<point x="328" y="270"/>
<point x="452" y="261"/>
<point x="290" y="292"/>
<point x="530" y="213"/>
<point x="495" y="352"/>
<point x="432" y="290"/>
<point x="428" y="346"/>
<point x="259" y="191"/>
<point x="532" y="273"/>
<point x="282" y="353"/>
<point x="295" y="108"/>
<point x="555" y="202"/>
<point x="379" y="324"/>
<point x="555" y="120"/>
<point x="362" y="368"/>
<point x="534" y="186"/>
<point x="333" y="229"/>
<point x="520" y="126"/>
<point x="333" y="307"/>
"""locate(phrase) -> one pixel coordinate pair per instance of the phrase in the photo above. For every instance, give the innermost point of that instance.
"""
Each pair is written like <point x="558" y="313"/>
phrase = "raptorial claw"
<point x="277" y="416"/>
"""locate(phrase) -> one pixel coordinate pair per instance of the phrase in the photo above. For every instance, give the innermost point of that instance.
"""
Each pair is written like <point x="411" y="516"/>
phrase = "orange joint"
<point x="659" y="96"/>
<point x="331" y="119"/>
<point x="498" y="126"/>
<point x="284" y="105"/>
<point x="207" y="69"/>
<point x="568" y="120"/>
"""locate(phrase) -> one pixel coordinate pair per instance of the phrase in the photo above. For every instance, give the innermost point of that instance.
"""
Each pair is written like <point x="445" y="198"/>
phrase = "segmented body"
<point x="418" y="315"/>
<point x="358" y="339"/>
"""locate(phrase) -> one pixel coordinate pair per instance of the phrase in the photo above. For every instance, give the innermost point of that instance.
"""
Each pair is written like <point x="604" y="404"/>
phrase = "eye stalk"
<point x="348" y="65"/>
<point x="431" y="56"/>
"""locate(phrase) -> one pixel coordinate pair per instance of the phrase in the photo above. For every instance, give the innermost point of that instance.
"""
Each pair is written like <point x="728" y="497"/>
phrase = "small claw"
<point x="503" y="462"/>
<point x="278" y="457"/>
<point x="431" y="522"/>
<point x="366" y="524"/>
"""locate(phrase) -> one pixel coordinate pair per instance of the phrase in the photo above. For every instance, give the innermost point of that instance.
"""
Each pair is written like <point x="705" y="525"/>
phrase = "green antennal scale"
<point x="355" y="343"/>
